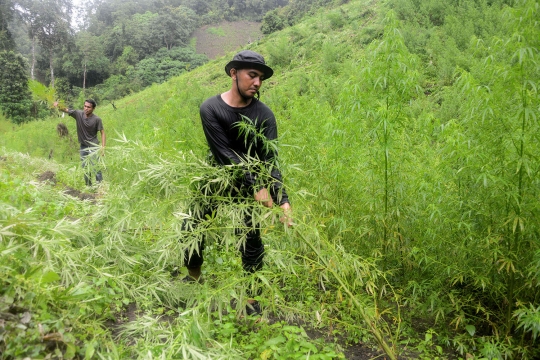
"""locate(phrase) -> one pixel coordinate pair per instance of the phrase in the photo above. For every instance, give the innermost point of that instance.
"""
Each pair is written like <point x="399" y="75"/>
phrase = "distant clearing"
<point x="217" y="39"/>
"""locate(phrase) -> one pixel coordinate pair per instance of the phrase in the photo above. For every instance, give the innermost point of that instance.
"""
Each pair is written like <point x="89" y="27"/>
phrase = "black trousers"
<point x="252" y="250"/>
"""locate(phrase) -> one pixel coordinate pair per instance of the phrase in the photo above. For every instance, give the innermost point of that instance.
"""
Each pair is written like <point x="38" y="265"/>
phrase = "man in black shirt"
<point x="229" y="145"/>
<point x="88" y="125"/>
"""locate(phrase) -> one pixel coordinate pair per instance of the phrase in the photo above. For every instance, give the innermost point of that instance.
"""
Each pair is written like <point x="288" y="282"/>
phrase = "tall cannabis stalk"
<point x="501" y="111"/>
<point x="390" y="74"/>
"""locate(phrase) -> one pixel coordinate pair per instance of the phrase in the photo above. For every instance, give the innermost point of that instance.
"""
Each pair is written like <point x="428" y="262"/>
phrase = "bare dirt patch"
<point x="78" y="194"/>
<point x="47" y="176"/>
<point x="218" y="39"/>
<point x="62" y="130"/>
<point x="362" y="352"/>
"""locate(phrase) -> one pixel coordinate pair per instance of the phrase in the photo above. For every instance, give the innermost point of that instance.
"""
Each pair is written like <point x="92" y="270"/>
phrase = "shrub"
<point x="15" y="98"/>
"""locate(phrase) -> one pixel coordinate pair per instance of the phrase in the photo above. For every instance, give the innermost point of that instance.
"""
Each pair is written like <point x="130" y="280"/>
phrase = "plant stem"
<point x="369" y="320"/>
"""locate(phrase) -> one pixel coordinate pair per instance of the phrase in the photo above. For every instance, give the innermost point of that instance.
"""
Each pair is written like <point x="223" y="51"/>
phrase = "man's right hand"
<point x="55" y="104"/>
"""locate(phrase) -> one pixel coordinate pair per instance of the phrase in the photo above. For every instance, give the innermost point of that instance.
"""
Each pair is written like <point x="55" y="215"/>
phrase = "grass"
<point x="216" y="31"/>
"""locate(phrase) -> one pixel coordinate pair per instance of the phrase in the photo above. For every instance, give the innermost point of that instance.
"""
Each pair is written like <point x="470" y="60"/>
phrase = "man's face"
<point x="88" y="108"/>
<point x="249" y="81"/>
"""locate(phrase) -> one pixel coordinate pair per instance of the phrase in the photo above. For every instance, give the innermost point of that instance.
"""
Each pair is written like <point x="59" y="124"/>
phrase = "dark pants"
<point x="252" y="249"/>
<point x="89" y="162"/>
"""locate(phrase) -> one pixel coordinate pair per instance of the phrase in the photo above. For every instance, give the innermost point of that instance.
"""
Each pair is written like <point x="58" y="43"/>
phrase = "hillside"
<point x="408" y="142"/>
<point x="218" y="39"/>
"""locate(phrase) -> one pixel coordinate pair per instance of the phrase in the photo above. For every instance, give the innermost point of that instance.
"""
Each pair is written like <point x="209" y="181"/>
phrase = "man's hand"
<point x="264" y="197"/>
<point x="55" y="104"/>
<point x="286" y="219"/>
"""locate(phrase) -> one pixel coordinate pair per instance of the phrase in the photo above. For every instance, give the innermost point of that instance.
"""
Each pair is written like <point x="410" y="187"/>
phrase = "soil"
<point x="62" y="130"/>
<point x="357" y="351"/>
<point x="49" y="176"/>
<point x="219" y="39"/>
<point x="362" y="352"/>
<point x="79" y="194"/>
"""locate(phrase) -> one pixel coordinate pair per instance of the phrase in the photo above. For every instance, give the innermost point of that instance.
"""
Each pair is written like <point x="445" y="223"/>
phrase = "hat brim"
<point x="235" y="64"/>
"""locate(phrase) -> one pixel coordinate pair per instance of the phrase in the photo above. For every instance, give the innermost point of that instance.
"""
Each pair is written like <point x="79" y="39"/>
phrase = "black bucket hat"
<point x="247" y="59"/>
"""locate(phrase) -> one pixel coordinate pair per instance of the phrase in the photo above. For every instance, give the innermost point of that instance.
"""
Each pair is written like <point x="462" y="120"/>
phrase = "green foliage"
<point x="88" y="56"/>
<point x="216" y="31"/>
<point x="276" y="341"/>
<point x="6" y="15"/>
<point x="166" y="64"/>
<point x="272" y="22"/>
<point x="41" y="93"/>
<point x="43" y="98"/>
<point x="45" y="307"/>
<point x="148" y="32"/>
<point x="127" y="60"/>
<point x="15" y="99"/>
<point x="279" y="51"/>
<point x="408" y="145"/>
<point x="115" y="87"/>
<point x="48" y="22"/>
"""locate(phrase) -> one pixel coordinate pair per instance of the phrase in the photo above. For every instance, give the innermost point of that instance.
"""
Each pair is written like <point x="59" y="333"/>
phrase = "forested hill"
<point x="408" y="140"/>
<point x="109" y="49"/>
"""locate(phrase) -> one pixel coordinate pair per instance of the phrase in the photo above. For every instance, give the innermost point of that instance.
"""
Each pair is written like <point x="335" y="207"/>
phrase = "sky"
<point x="74" y="15"/>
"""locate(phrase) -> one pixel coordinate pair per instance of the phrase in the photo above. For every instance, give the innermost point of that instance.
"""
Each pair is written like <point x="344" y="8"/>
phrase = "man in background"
<point x="88" y="126"/>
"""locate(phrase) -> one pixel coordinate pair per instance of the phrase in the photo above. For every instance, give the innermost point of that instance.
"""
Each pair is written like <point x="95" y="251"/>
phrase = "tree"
<point x="138" y="32"/>
<point x="6" y="14"/>
<point x="165" y="64"/>
<point x="88" y="56"/>
<point x="272" y="22"/>
<point x="126" y="61"/>
<point x="201" y="7"/>
<point x="15" y="99"/>
<point x="49" y="22"/>
<point x="174" y="26"/>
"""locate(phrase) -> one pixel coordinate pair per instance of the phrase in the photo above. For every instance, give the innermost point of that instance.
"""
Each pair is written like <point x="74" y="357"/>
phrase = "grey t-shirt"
<point x="87" y="127"/>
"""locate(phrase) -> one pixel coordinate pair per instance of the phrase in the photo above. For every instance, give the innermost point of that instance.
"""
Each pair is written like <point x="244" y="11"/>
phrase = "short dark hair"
<point x="91" y="102"/>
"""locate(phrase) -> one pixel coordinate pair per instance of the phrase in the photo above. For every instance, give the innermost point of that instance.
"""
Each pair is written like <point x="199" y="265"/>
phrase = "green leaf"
<point x="471" y="329"/>
<point x="49" y="277"/>
<point x="70" y="351"/>
<point x="89" y="351"/>
<point x="274" y="341"/>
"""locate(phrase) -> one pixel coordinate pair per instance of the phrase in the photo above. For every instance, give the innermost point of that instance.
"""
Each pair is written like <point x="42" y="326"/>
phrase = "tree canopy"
<point x="15" y="99"/>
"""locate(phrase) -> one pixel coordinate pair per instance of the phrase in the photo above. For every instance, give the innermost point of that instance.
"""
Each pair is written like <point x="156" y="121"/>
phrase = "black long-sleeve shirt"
<point x="230" y="145"/>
